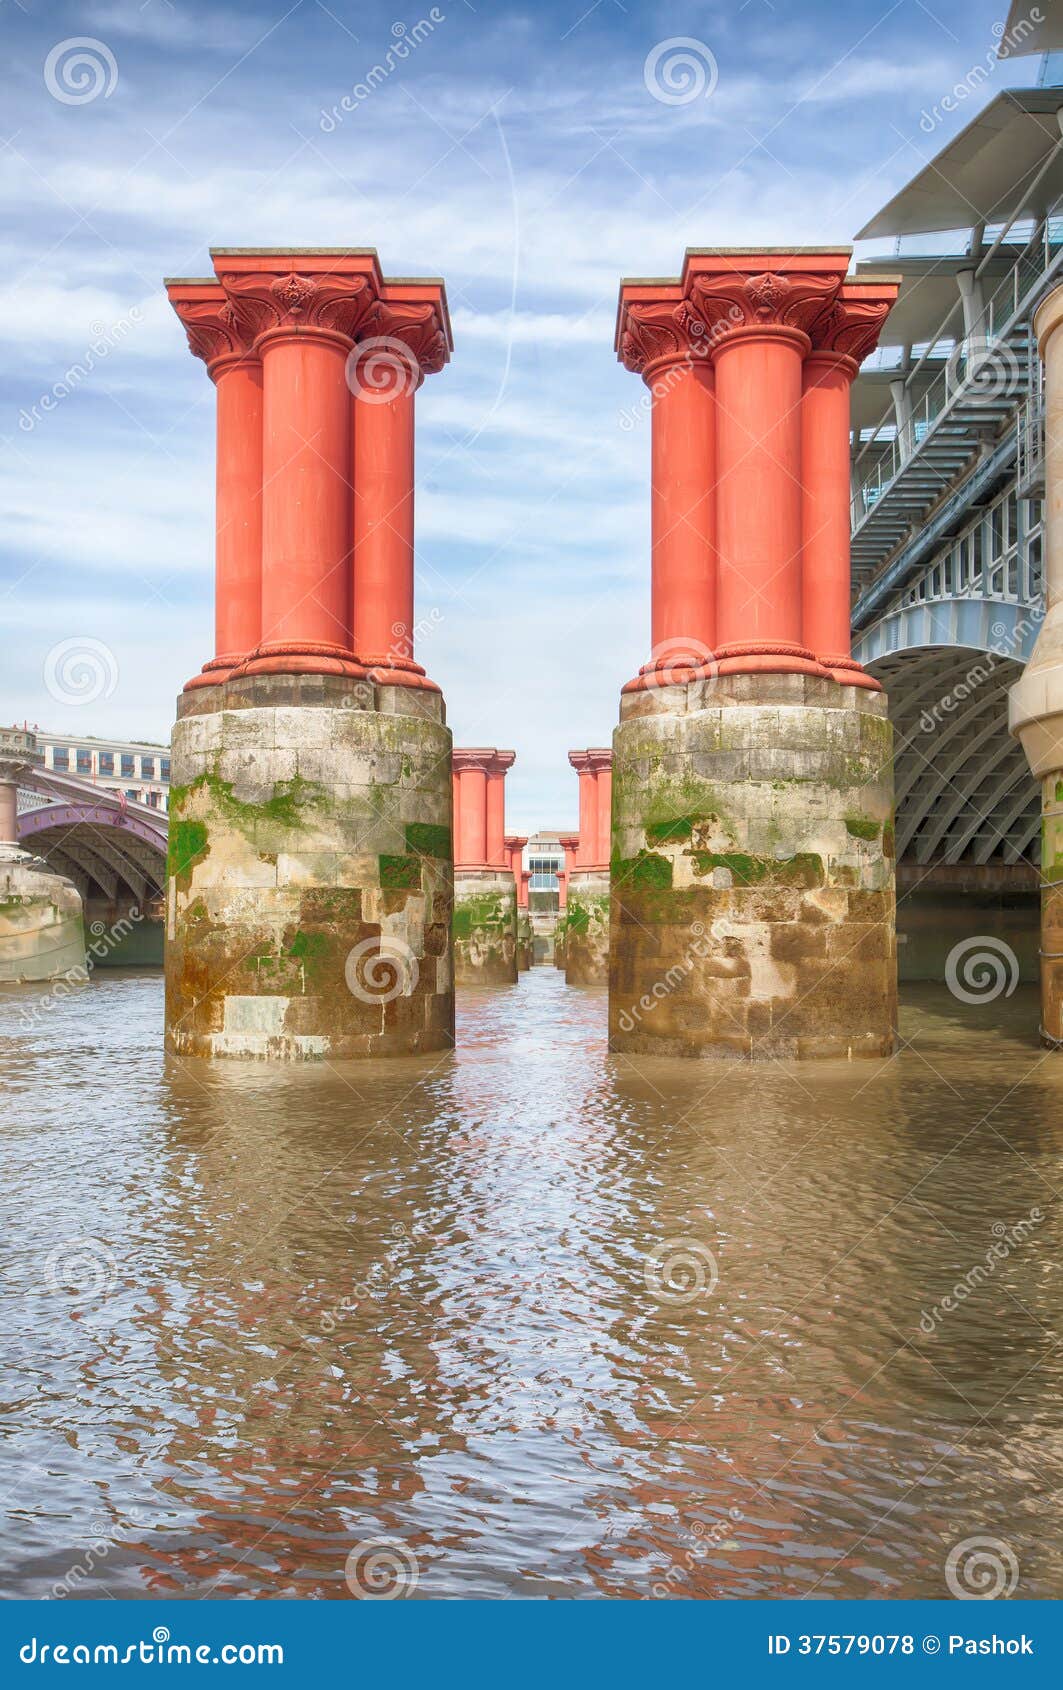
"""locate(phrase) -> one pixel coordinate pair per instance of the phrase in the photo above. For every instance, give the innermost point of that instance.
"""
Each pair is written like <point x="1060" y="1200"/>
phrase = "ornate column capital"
<point x="655" y="334"/>
<point x="400" y="341"/>
<point x="470" y="759"/>
<point x="501" y="761"/>
<point x="848" y="330"/>
<point x="215" y="328"/>
<point x="275" y="292"/>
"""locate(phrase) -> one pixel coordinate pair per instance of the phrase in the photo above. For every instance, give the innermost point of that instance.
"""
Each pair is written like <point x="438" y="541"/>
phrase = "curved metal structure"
<point x="105" y="847"/>
<point x="964" y="789"/>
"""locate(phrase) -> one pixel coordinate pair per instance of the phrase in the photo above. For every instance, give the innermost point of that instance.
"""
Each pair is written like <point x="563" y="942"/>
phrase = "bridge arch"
<point x="965" y="794"/>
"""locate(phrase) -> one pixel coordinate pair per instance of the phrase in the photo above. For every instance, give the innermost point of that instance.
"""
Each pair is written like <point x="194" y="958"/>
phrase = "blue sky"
<point x="520" y="152"/>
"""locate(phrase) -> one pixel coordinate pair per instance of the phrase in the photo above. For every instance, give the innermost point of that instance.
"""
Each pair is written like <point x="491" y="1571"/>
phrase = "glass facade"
<point x="60" y="757"/>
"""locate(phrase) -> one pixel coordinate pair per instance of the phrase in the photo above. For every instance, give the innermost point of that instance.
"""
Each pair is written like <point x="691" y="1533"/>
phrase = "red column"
<point x="403" y="339"/>
<point x="471" y="768"/>
<point x="236" y="371"/>
<point x="588" y="809"/>
<point x="655" y="339"/>
<point x="515" y="847"/>
<point x="758" y="384"/>
<point x="839" y="342"/>
<point x="569" y="844"/>
<point x="682" y="513"/>
<point x="238" y="548"/>
<point x="756" y="315"/>
<point x="603" y="784"/>
<point x="383" y="529"/>
<point x="496" y="807"/>
<point x="305" y="510"/>
<point x="825" y="518"/>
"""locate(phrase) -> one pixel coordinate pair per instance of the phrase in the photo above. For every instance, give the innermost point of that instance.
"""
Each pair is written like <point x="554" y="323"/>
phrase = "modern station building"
<point x="947" y="491"/>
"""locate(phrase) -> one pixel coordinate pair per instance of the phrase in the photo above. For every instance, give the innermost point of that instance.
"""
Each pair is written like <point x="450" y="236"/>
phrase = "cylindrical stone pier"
<point x="310" y="874"/>
<point x="1035" y="706"/>
<point x="485" y="889"/>
<point x="752" y="902"/>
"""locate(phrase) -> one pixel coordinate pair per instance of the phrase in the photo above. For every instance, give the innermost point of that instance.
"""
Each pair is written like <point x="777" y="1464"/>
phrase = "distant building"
<point x="138" y="768"/>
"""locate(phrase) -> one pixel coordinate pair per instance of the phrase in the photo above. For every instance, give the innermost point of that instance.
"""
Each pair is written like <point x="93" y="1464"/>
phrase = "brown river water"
<point x="548" y="1322"/>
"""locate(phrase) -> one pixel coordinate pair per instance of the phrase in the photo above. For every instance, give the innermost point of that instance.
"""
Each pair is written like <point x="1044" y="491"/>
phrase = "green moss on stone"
<point x="187" y="842"/>
<point x="647" y="872"/>
<point x="286" y="806"/>
<point x="400" y="874"/>
<point x="428" y="840"/>
<point x="862" y="827"/>
<point x="664" y="832"/>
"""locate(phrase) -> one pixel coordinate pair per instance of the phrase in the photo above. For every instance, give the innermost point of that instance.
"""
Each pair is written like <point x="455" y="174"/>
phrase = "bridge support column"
<point x="586" y="919"/>
<point x="485" y="889"/>
<point x="309" y="885"/>
<point x="1035" y="705"/>
<point x="752" y="898"/>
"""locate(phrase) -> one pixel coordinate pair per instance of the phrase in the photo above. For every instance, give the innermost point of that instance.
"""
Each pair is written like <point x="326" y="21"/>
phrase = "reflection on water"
<point x="552" y="1322"/>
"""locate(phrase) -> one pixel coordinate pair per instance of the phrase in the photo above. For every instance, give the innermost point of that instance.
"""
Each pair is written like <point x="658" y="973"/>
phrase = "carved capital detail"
<point x="214" y="328"/>
<point x="731" y="301"/>
<point x="650" y="333"/>
<point x="850" y="327"/>
<point x="414" y="331"/>
<point x="265" y="301"/>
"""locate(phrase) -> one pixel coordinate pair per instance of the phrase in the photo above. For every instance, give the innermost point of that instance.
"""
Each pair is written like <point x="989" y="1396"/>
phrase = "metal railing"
<point x="998" y="555"/>
<point x="987" y="367"/>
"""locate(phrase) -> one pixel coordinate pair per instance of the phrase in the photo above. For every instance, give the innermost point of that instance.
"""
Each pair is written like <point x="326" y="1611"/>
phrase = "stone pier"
<point x="485" y="891"/>
<point x="310" y="877"/>
<point x="752" y="910"/>
<point x="42" y="933"/>
<point x="515" y="844"/>
<point x="1035" y="706"/>
<point x="585" y="926"/>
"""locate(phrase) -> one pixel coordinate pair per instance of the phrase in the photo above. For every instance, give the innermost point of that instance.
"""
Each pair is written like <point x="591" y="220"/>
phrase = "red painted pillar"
<point x="383" y="435"/>
<point x="825" y="461"/>
<point x="471" y="767"/>
<point x="758" y="385"/>
<point x="754" y="315"/>
<point x="588" y="809"/>
<point x="305" y="510"/>
<point x="515" y="847"/>
<point x="603" y="783"/>
<point x="839" y="342"/>
<point x="403" y="339"/>
<point x="236" y="371"/>
<point x="682" y="513"/>
<point x="496" y="807"/>
<point x="569" y="843"/>
<point x="238" y="548"/>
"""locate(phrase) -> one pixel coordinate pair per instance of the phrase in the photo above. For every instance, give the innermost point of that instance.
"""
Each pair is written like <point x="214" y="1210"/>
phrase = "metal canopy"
<point x="980" y="176"/>
<point x="929" y="290"/>
<point x="1023" y="33"/>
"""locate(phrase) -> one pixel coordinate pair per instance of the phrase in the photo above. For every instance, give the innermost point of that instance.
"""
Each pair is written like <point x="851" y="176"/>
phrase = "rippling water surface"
<point x="549" y="1321"/>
